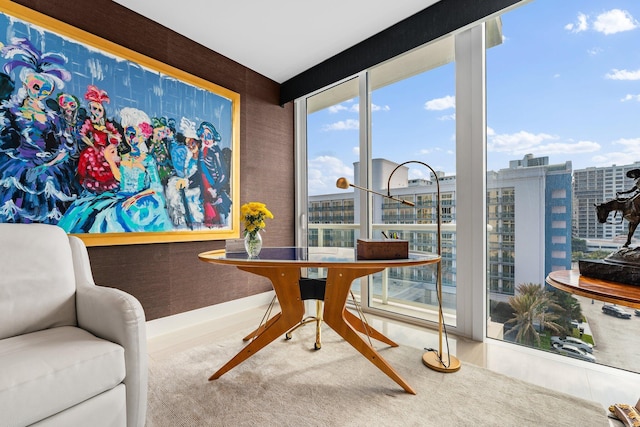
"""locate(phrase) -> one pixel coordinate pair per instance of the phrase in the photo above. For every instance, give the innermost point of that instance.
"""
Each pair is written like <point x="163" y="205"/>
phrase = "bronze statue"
<point x="630" y="206"/>
<point x="623" y="265"/>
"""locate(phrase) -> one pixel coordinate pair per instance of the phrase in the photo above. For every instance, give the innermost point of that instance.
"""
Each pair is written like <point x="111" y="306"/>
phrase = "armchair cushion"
<point x="53" y="369"/>
<point x="37" y="284"/>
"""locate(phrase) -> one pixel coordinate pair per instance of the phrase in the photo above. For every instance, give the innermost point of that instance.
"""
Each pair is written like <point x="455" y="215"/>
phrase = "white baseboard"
<point x="164" y="325"/>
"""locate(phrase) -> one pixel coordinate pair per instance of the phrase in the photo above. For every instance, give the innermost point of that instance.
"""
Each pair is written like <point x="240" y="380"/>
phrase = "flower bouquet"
<point x="253" y="215"/>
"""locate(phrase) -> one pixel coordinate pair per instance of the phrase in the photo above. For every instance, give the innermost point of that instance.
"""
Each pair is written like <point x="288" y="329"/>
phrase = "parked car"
<point x="576" y="342"/>
<point x="573" y="351"/>
<point x="637" y="312"/>
<point x="614" y="310"/>
<point x="575" y="324"/>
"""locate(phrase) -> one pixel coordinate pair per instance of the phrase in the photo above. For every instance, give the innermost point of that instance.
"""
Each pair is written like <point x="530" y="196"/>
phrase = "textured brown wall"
<point x="169" y="278"/>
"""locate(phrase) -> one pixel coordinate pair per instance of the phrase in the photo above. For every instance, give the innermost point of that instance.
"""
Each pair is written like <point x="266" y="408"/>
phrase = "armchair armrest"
<point x="116" y="316"/>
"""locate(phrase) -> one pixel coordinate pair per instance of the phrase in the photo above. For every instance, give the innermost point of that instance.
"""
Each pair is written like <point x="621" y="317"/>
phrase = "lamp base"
<point x="432" y="360"/>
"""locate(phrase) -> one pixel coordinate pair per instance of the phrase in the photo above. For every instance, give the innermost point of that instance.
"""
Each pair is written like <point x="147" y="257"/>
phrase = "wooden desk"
<point x="602" y="290"/>
<point x="282" y="266"/>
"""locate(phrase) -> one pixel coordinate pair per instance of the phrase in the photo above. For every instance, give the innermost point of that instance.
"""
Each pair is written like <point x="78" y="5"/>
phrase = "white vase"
<point x="253" y="244"/>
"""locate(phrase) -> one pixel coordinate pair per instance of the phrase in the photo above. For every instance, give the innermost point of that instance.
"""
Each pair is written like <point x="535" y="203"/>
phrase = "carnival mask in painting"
<point x="96" y="111"/>
<point x="38" y="87"/>
<point x="69" y="107"/>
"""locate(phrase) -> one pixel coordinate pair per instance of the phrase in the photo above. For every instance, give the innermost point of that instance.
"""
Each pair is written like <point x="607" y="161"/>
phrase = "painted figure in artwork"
<point x="183" y="189"/>
<point x="36" y="168"/>
<point x="99" y="159"/>
<point x="159" y="148"/>
<point x="72" y="114"/>
<point x="215" y="201"/>
<point x="144" y="207"/>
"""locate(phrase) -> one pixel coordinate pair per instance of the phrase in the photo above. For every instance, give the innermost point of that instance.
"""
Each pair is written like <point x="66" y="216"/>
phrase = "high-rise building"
<point x="514" y="209"/>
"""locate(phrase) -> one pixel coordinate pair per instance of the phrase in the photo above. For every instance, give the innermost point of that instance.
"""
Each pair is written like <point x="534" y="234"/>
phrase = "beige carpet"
<point x="289" y="384"/>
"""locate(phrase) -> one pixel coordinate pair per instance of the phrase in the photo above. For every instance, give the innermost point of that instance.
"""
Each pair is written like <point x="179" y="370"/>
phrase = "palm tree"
<point x="571" y="308"/>
<point x="531" y="306"/>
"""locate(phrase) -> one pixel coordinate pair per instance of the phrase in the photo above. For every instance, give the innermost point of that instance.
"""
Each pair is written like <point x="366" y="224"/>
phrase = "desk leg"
<point x="261" y="328"/>
<point x="338" y="284"/>
<point x="285" y="283"/>
<point x="360" y="326"/>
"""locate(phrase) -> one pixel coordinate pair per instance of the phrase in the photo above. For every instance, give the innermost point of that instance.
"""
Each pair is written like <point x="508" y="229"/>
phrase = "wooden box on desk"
<point x="382" y="249"/>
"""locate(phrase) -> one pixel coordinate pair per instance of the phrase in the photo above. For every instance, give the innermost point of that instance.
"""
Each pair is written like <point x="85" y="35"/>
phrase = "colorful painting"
<point x="108" y="144"/>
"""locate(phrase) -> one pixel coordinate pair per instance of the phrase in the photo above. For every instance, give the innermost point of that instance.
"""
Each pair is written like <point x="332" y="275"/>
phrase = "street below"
<point x="617" y="340"/>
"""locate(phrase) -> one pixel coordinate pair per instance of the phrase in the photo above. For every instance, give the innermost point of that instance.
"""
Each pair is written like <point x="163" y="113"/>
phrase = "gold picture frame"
<point x="112" y="145"/>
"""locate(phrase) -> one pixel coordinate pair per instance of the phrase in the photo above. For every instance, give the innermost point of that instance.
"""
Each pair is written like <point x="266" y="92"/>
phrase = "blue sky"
<point x="565" y="83"/>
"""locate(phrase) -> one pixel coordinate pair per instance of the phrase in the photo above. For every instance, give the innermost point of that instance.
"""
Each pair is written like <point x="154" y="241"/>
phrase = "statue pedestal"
<point x="622" y="266"/>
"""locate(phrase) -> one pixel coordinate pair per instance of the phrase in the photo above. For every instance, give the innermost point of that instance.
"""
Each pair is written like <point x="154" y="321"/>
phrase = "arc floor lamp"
<point x="436" y="360"/>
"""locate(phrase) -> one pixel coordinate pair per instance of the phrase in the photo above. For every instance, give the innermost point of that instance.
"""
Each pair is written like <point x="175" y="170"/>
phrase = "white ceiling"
<point x="277" y="38"/>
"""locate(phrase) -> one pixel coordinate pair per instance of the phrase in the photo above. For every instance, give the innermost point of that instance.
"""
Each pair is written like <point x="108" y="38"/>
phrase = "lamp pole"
<point x="439" y="361"/>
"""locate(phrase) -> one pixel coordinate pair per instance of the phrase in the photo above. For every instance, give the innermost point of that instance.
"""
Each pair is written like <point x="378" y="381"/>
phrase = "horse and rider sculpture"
<point x="630" y="206"/>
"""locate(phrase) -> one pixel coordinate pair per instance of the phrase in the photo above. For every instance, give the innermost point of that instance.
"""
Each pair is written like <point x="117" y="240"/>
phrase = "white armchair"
<point x="71" y="353"/>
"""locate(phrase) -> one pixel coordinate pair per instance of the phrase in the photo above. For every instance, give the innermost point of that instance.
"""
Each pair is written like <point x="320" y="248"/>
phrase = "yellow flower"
<point x="253" y="214"/>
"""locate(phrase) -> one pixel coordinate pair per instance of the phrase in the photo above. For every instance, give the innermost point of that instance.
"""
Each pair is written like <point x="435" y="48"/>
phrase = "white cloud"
<point x="516" y="142"/>
<point x="355" y="108"/>
<point x="447" y="117"/>
<point x="538" y="144"/>
<point x="580" y="25"/>
<point x="569" y="147"/>
<point x="630" y="144"/>
<point x="356" y="150"/>
<point x="616" y="74"/>
<point x="337" y="108"/>
<point x="426" y="151"/>
<point x="349" y="124"/>
<point x="610" y="22"/>
<point x="608" y="159"/>
<point x="440" y="104"/>
<point x="614" y="21"/>
<point x="630" y="97"/>
<point x="594" y="51"/>
<point x="375" y="107"/>
<point x="629" y="153"/>
<point x="323" y="173"/>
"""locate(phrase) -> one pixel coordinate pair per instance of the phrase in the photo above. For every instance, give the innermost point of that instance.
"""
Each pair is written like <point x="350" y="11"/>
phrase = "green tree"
<point x="571" y="308"/>
<point x="578" y="245"/>
<point x="534" y="307"/>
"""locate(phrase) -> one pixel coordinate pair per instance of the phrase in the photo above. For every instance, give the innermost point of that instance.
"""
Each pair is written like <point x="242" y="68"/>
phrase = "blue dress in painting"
<point x="137" y="206"/>
<point x="36" y="170"/>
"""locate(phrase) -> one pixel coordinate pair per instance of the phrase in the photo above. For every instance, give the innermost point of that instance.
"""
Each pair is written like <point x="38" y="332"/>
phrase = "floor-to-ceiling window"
<point x="412" y="103"/>
<point x="362" y="129"/>
<point x="562" y="105"/>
